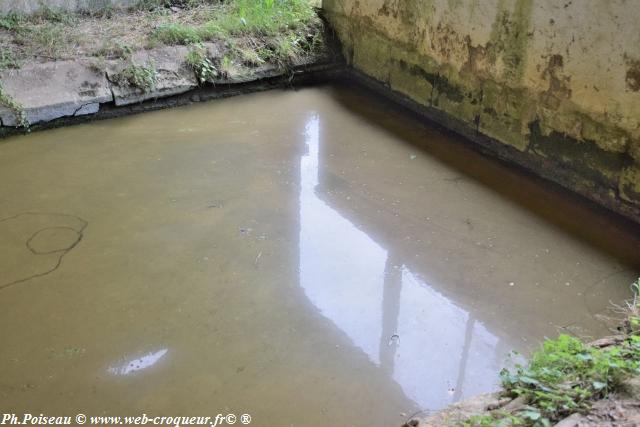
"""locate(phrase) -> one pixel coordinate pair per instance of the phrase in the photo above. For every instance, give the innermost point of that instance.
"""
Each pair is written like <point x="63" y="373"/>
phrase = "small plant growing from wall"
<point x="9" y="102"/>
<point x="203" y="66"/>
<point x="143" y="77"/>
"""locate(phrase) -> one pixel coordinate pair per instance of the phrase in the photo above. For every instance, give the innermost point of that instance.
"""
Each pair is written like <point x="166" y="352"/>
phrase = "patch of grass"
<point x="229" y="67"/>
<point x="566" y="376"/>
<point x="143" y="77"/>
<point x="203" y="66"/>
<point x="11" y="21"/>
<point x="53" y="15"/>
<point x="51" y="38"/>
<point x="267" y="17"/>
<point x="14" y="21"/>
<point x="9" y="102"/>
<point x="151" y="4"/>
<point x="7" y="59"/>
<point x="48" y="29"/>
<point x="250" y="56"/>
<point x="288" y="49"/>
<point x="186" y="34"/>
<point x="98" y="64"/>
<point x="244" y="17"/>
<point x="156" y="4"/>
<point x="115" y="50"/>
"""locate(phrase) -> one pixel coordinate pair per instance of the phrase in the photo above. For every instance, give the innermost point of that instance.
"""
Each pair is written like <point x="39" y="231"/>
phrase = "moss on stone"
<point x="597" y="167"/>
<point x="510" y="37"/>
<point x="506" y="114"/>
<point x="595" y="150"/>
<point x="581" y="126"/>
<point x="371" y="54"/>
<point x="457" y="94"/>
<point x="629" y="187"/>
<point x="413" y="80"/>
<point x="634" y="150"/>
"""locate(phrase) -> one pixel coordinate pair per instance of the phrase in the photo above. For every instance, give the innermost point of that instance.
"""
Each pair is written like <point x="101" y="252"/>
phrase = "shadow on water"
<point x="560" y="208"/>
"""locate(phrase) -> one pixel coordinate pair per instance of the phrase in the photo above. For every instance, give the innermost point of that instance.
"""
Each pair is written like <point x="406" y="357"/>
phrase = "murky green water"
<point x="311" y="258"/>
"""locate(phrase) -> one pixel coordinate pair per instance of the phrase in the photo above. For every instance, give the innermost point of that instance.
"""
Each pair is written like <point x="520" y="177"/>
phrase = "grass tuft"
<point x="143" y="77"/>
<point x="203" y="66"/>
<point x="7" y="59"/>
<point x="280" y="31"/>
<point x="9" y="102"/>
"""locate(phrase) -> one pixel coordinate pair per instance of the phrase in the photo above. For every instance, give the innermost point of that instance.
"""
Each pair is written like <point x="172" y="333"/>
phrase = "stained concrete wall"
<point x="30" y="6"/>
<point x="558" y="81"/>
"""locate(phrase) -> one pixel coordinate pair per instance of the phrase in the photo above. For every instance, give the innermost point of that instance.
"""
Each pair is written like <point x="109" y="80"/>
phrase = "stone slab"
<point x="173" y="75"/>
<point x="51" y="90"/>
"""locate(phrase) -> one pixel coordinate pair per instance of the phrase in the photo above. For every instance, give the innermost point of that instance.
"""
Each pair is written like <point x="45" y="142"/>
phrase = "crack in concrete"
<point x="82" y="106"/>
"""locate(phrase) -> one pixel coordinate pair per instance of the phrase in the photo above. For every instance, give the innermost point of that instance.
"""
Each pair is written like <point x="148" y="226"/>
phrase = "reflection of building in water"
<point x="372" y="296"/>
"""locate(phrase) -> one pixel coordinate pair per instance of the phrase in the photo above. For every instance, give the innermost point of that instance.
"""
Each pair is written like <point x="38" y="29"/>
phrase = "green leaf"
<point x="529" y="380"/>
<point x="531" y="414"/>
<point x="598" y="385"/>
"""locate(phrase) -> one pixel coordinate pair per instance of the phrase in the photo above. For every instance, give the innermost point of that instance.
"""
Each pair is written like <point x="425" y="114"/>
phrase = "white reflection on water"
<point x="435" y="350"/>
<point x="138" y="364"/>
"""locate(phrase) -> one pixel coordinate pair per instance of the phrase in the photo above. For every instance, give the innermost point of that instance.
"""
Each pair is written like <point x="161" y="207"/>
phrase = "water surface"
<point x="310" y="257"/>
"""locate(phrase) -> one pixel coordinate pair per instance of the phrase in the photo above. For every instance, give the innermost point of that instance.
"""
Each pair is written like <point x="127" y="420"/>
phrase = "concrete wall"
<point x="558" y="81"/>
<point x="30" y="6"/>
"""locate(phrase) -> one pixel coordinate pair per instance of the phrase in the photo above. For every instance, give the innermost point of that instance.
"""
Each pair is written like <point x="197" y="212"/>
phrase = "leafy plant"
<point x="9" y="102"/>
<point x="203" y="66"/>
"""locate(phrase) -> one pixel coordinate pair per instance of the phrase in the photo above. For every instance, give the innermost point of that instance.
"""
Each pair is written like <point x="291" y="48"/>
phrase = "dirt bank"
<point x="56" y="65"/>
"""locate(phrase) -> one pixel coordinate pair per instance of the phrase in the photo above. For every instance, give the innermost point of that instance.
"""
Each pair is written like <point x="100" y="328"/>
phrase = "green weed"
<point x="229" y="68"/>
<point x="51" y="38"/>
<point x="250" y="56"/>
<point x="244" y="17"/>
<point x="203" y="66"/>
<point x="184" y="34"/>
<point x="115" y="50"/>
<point x="11" y="21"/>
<point x="53" y="15"/>
<point x="143" y="77"/>
<point x="7" y="59"/>
<point x="9" y="102"/>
